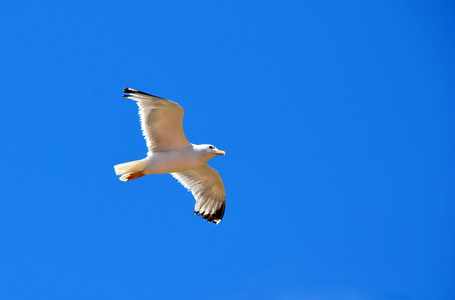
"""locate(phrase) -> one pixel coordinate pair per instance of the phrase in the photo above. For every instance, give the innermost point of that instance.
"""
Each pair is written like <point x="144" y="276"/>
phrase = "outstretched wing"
<point x="161" y="121"/>
<point x="207" y="187"/>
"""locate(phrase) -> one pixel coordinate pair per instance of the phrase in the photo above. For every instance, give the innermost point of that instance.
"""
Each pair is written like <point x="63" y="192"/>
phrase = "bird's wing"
<point x="207" y="187"/>
<point x="161" y="121"/>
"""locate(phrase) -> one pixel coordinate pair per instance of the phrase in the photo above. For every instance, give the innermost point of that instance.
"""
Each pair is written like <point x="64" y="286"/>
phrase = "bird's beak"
<point x="219" y="152"/>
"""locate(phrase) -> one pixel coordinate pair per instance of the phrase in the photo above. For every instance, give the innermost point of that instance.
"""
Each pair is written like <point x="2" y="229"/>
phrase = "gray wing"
<point x="207" y="187"/>
<point x="161" y="121"/>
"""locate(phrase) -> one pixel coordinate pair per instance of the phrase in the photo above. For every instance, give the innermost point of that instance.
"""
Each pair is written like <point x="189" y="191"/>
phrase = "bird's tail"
<point x="131" y="170"/>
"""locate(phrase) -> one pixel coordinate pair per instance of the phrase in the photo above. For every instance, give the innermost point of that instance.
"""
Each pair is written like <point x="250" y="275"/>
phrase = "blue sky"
<point x="337" y="120"/>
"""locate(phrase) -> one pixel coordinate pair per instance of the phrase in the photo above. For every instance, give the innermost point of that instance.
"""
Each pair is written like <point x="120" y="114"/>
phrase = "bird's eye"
<point x="211" y="147"/>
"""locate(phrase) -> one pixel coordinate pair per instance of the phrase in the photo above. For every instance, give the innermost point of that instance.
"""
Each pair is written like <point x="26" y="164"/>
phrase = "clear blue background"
<point x="338" y="122"/>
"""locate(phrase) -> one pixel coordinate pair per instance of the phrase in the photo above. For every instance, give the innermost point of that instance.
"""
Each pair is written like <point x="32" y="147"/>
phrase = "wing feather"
<point x="207" y="187"/>
<point x="161" y="121"/>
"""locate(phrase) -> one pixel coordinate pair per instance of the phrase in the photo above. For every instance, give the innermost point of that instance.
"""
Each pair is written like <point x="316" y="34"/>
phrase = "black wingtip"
<point x="133" y="92"/>
<point x="127" y="90"/>
<point x="215" y="217"/>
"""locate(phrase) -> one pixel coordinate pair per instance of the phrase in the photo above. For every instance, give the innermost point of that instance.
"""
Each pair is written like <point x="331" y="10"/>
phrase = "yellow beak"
<point x="219" y="152"/>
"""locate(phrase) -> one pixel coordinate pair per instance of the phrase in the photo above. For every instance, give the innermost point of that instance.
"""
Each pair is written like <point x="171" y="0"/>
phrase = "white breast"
<point x="176" y="160"/>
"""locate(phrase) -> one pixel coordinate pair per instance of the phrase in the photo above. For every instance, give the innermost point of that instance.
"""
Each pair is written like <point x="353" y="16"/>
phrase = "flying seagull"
<point x="170" y="152"/>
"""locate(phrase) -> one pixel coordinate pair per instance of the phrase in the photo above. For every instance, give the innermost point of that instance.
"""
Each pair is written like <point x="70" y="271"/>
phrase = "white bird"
<point x="170" y="152"/>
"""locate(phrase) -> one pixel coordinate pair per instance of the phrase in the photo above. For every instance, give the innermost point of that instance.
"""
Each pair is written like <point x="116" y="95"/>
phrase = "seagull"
<point x="170" y="152"/>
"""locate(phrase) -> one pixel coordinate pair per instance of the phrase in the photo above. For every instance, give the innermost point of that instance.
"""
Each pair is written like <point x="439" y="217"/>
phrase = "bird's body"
<point x="177" y="160"/>
<point x="171" y="161"/>
<point x="170" y="152"/>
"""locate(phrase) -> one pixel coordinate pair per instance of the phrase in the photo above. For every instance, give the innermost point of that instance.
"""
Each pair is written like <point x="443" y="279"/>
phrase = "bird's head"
<point x="214" y="150"/>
